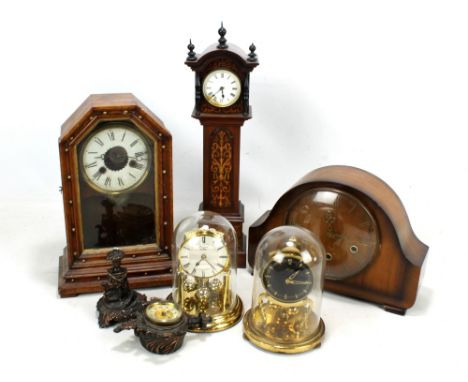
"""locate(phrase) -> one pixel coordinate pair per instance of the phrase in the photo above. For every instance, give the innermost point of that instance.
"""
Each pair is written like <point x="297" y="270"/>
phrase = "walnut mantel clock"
<point x="116" y="166"/>
<point x="372" y="252"/>
<point x="222" y="75"/>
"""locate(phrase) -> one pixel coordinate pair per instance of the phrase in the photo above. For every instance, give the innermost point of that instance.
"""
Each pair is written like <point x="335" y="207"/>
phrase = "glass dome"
<point x="287" y="292"/>
<point x="205" y="266"/>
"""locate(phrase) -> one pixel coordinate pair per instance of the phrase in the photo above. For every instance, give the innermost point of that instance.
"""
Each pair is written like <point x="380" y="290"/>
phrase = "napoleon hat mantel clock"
<point x="116" y="167"/>
<point x="372" y="253"/>
<point x="222" y="75"/>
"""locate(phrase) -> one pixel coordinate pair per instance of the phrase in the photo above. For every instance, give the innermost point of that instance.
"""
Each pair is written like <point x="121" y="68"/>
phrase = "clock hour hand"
<point x="293" y="275"/>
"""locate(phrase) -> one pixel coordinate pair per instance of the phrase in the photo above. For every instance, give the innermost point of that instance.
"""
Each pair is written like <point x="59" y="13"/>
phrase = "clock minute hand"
<point x="221" y="88"/>
<point x="211" y="265"/>
<point x="297" y="282"/>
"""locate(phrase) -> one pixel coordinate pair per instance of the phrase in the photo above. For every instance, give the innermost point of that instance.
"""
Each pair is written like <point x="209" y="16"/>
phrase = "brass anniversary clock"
<point x="372" y="252"/>
<point x="222" y="78"/>
<point x="287" y="292"/>
<point x="116" y="166"/>
<point x="205" y="271"/>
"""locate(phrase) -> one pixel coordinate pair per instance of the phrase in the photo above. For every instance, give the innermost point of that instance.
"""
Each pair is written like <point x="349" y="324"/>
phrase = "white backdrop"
<point x="381" y="85"/>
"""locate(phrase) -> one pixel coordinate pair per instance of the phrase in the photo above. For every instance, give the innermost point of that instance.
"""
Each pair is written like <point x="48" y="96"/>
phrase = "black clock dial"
<point x="289" y="280"/>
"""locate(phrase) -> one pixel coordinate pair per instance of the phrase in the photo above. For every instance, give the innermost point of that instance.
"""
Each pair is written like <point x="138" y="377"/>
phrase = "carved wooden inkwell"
<point x="161" y="326"/>
<point x="119" y="303"/>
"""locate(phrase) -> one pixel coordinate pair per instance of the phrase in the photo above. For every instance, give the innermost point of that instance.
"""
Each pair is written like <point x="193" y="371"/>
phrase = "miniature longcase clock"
<point x="116" y="165"/>
<point x="372" y="252"/>
<point x="222" y="75"/>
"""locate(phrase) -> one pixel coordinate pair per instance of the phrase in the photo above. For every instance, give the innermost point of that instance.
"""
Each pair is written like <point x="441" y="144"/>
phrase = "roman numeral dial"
<point x="115" y="159"/>
<point x="221" y="88"/>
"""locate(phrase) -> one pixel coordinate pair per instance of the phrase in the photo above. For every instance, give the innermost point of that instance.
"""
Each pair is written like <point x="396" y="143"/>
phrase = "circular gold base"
<point x="258" y="339"/>
<point x="222" y="321"/>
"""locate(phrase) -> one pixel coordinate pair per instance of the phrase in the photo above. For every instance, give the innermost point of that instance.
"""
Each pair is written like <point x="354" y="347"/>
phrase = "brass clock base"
<point x="221" y="322"/>
<point x="218" y="322"/>
<point x="262" y="342"/>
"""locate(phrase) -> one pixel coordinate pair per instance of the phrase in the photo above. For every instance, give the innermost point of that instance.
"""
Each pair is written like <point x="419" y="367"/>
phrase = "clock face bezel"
<point x="210" y="99"/>
<point x="200" y="234"/>
<point x="356" y="266"/>
<point x="163" y="313"/>
<point x="269" y="272"/>
<point x="123" y="124"/>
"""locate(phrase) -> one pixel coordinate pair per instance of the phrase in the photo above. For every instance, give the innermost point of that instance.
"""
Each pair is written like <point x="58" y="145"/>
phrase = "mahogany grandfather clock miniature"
<point x="222" y="75"/>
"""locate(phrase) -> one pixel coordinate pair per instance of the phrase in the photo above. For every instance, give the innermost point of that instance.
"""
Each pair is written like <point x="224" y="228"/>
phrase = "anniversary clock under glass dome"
<point x="205" y="248"/>
<point x="287" y="292"/>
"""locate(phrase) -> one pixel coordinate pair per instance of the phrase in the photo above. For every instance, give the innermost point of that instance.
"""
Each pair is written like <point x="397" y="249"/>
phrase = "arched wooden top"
<point x="382" y="194"/>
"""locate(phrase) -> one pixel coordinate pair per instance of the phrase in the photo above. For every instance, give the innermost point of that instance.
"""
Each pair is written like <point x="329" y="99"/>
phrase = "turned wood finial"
<point x="192" y="56"/>
<point x="252" y="54"/>
<point x="222" y="40"/>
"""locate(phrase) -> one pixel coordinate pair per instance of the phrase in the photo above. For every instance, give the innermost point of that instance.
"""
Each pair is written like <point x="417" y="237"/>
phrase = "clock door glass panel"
<point x="117" y="186"/>
<point x="345" y="226"/>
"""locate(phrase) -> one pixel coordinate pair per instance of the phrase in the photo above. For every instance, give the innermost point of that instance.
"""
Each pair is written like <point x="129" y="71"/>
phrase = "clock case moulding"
<point x="221" y="131"/>
<point x="83" y="270"/>
<point x="391" y="279"/>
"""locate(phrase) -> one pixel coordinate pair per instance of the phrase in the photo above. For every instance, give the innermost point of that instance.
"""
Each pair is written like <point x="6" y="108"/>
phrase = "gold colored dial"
<point x="221" y="88"/>
<point x="163" y="312"/>
<point x="344" y="225"/>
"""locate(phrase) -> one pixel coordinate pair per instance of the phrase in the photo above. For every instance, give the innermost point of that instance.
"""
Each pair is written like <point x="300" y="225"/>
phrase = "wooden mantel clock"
<point x="116" y="166"/>
<point x="222" y="76"/>
<point x="372" y="252"/>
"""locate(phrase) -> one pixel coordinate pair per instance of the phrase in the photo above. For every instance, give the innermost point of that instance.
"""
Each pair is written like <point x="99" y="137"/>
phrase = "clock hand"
<point x="293" y="275"/>
<point x="221" y="88"/>
<point x="297" y="282"/>
<point x="211" y="265"/>
<point x="198" y="263"/>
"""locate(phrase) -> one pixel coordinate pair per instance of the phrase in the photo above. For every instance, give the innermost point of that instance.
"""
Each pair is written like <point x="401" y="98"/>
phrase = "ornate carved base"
<point x="111" y="313"/>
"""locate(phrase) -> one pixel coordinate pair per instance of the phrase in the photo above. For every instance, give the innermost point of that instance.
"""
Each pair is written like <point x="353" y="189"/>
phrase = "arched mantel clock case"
<point x="116" y="166"/>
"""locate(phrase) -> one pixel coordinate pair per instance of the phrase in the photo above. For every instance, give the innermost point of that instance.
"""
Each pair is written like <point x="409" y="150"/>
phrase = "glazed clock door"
<point x="345" y="226"/>
<point x="117" y="187"/>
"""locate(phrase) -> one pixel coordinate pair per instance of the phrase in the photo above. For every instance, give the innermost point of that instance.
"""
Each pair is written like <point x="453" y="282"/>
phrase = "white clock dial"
<point x="115" y="159"/>
<point x="203" y="256"/>
<point x="221" y="88"/>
